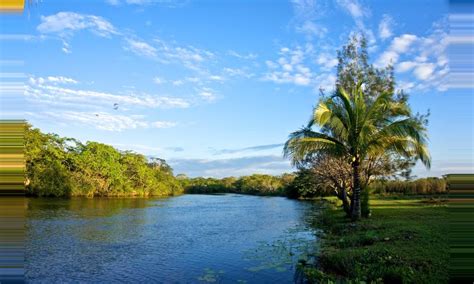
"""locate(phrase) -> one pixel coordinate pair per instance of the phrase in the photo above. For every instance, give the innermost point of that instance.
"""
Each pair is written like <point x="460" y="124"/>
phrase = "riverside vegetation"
<point x="64" y="167"/>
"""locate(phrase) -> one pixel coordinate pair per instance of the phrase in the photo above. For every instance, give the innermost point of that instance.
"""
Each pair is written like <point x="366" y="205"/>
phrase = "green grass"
<point x="404" y="241"/>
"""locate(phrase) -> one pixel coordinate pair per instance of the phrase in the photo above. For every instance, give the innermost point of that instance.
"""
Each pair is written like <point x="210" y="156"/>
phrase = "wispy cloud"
<point x="170" y="53"/>
<point x="399" y="45"/>
<point x="140" y="48"/>
<point x="423" y="57"/>
<point x="327" y="60"/>
<point x="312" y="29"/>
<point x="159" y="80"/>
<point x="289" y="68"/>
<point x="231" y="167"/>
<point x="247" y="56"/>
<point x="104" y="121"/>
<point x="238" y="72"/>
<point x="40" y="90"/>
<point x="354" y="8"/>
<point x="52" y="79"/>
<point x="207" y="94"/>
<point x="386" y="26"/>
<point x="248" y="149"/>
<point x="307" y="16"/>
<point x="166" y="3"/>
<point x="65" y="24"/>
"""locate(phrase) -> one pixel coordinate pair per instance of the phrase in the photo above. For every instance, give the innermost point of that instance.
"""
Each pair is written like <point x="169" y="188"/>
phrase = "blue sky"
<point x="215" y="87"/>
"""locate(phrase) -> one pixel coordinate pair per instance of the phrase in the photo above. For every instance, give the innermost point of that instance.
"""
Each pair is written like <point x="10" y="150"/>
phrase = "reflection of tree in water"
<point x="84" y="207"/>
<point x="102" y="220"/>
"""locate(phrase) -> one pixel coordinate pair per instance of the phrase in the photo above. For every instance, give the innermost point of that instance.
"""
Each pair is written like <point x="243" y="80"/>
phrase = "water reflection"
<point x="191" y="238"/>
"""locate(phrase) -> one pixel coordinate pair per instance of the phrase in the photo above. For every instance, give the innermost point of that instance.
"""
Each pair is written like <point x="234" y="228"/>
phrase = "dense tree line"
<point x="62" y="167"/>
<point x="257" y="184"/>
<point x="430" y="185"/>
<point x="304" y="184"/>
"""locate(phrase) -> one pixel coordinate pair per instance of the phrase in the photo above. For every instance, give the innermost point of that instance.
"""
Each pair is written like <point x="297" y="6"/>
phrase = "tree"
<point x="58" y="166"/>
<point x="368" y="122"/>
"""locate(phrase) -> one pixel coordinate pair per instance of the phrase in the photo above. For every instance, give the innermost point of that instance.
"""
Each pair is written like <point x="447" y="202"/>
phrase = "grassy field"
<point x="404" y="241"/>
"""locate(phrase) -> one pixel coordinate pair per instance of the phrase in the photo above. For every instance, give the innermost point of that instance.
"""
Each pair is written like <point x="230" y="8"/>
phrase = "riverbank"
<point x="404" y="241"/>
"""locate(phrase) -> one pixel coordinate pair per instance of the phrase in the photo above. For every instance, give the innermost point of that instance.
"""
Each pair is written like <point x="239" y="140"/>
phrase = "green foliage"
<point x="62" y="167"/>
<point x="306" y="185"/>
<point x="256" y="184"/>
<point x="260" y="185"/>
<point x="431" y="185"/>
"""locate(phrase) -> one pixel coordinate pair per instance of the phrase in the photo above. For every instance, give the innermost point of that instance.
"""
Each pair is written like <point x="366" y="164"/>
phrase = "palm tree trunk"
<point x="356" y="209"/>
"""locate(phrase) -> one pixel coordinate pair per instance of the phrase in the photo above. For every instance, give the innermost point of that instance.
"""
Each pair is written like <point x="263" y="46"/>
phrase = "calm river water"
<point x="187" y="239"/>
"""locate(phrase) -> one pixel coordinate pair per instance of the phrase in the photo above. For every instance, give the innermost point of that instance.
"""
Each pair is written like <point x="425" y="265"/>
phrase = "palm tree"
<point x="356" y="127"/>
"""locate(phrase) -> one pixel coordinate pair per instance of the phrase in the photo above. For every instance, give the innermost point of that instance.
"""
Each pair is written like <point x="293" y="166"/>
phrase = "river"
<point x="187" y="239"/>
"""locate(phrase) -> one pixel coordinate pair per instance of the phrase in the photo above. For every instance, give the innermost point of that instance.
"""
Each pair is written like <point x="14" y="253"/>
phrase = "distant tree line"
<point x="63" y="167"/>
<point x="256" y="184"/>
<point x="431" y="185"/>
<point x="304" y="184"/>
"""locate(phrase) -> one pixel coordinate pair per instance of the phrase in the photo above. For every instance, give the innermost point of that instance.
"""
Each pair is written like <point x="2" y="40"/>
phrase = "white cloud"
<point x="398" y="45"/>
<point x="353" y="7"/>
<point x="406" y="66"/>
<point x="169" y="3"/>
<point x="289" y="68"/>
<point x="242" y="56"/>
<point x="216" y="78"/>
<point x="239" y="166"/>
<point x="61" y="80"/>
<point x="312" y="29"/>
<point x="165" y="52"/>
<point x="163" y="124"/>
<point x="158" y="80"/>
<point x="107" y="121"/>
<point x="402" y="43"/>
<point x="325" y="82"/>
<point x="405" y="86"/>
<point x="424" y="71"/>
<point x="327" y="61"/>
<point x="66" y="23"/>
<point x="178" y="82"/>
<point x="307" y="16"/>
<point x="52" y="79"/>
<point x="385" y="27"/>
<point x="207" y="94"/>
<point x="40" y="91"/>
<point x="237" y="72"/>
<point x="424" y="57"/>
<point x="140" y="48"/>
<point x="66" y="47"/>
<point x="307" y="9"/>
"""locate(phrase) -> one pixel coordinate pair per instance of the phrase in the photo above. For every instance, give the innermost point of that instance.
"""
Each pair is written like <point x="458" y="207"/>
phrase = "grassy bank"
<point x="404" y="241"/>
